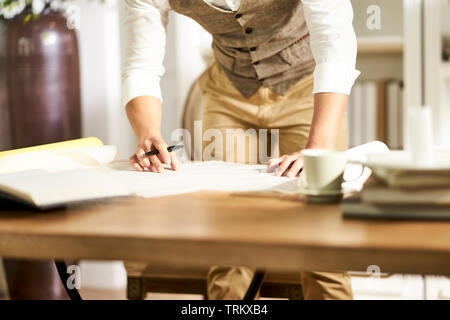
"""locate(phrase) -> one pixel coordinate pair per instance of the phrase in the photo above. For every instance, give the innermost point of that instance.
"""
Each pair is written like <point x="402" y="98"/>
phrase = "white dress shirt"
<point x="332" y="40"/>
<point x="232" y="5"/>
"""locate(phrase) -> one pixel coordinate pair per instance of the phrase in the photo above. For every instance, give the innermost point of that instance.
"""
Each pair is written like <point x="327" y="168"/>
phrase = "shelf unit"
<point x="436" y="72"/>
<point x="445" y="70"/>
<point x="380" y="61"/>
<point x="380" y="44"/>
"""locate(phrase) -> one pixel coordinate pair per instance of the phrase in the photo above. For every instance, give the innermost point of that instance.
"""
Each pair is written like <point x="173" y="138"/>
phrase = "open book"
<point x="55" y="177"/>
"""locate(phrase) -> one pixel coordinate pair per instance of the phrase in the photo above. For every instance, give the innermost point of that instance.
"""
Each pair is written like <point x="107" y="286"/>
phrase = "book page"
<point x="47" y="189"/>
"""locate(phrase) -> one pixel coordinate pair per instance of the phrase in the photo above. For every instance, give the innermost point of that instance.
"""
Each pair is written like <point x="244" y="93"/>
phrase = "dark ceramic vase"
<point x="40" y="96"/>
<point x="43" y="78"/>
<point x="5" y="127"/>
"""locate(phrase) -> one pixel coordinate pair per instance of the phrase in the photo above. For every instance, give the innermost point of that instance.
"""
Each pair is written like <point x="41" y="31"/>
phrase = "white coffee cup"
<point x="323" y="170"/>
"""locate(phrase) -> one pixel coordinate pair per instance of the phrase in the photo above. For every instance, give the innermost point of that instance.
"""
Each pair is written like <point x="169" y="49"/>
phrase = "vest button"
<point x="238" y="16"/>
<point x="253" y="49"/>
<point x="248" y="30"/>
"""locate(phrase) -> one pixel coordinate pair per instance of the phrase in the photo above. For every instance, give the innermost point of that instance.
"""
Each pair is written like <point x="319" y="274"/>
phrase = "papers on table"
<point x="226" y="176"/>
<point x="50" y="178"/>
<point x="201" y="176"/>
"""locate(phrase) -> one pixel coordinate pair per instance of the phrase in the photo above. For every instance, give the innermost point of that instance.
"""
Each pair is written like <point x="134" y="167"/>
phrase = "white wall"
<point x="386" y="65"/>
<point x="100" y="54"/>
<point x="391" y="17"/>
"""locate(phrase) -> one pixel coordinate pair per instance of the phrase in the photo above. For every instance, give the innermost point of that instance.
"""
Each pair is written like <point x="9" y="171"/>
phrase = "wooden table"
<point x="203" y="229"/>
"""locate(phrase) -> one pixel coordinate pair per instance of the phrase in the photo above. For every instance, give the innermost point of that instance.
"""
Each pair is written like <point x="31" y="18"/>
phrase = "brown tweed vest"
<point x="266" y="42"/>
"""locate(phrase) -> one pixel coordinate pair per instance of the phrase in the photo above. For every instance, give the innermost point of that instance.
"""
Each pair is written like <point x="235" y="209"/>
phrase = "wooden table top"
<point x="208" y="228"/>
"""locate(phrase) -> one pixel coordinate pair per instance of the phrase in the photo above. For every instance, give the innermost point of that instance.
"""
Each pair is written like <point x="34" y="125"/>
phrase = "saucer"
<point x="322" y="196"/>
<point x="312" y="192"/>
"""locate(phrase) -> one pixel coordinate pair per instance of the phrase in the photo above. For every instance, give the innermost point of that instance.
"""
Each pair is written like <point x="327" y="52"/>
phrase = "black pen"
<point x="169" y="149"/>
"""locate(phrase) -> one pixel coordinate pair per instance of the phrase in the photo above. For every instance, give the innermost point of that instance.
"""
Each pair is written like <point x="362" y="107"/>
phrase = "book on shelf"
<point x="395" y="115"/>
<point x="375" y="112"/>
<point x="381" y="110"/>
<point x="356" y="132"/>
<point x="400" y="116"/>
<point x="350" y="120"/>
<point x="370" y="108"/>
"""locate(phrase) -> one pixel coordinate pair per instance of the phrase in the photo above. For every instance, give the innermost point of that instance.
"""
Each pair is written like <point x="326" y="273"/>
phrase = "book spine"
<point x="381" y="110"/>
<point x="400" y="116"/>
<point x="357" y="114"/>
<point x="350" y="116"/>
<point x="392" y="114"/>
<point x="370" y="110"/>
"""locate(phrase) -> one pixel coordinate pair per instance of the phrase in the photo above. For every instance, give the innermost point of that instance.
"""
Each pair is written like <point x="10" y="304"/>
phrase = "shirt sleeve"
<point x="333" y="44"/>
<point x="145" y="40"/>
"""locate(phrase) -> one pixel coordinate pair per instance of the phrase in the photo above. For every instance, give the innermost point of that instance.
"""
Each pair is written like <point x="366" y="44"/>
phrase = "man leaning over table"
<point x="279" y="64"/>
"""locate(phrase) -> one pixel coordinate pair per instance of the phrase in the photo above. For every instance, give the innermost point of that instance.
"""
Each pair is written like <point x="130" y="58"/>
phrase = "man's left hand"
<point x="289" y="165"/>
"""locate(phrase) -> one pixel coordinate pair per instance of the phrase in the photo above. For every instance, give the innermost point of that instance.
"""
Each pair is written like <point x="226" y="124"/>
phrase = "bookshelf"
<point x="380" y="59"/>
<point x="408" y="48"/>
<point x="436" y="73"/>
<point x="380" y="44"/>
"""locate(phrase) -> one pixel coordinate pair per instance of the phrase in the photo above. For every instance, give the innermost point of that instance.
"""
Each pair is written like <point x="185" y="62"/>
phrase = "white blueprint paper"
<point x="201" y="176"/>
<point x="226" y="176"/>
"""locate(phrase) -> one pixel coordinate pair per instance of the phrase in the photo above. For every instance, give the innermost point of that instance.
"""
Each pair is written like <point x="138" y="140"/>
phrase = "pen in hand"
<point x="169" y="149"/>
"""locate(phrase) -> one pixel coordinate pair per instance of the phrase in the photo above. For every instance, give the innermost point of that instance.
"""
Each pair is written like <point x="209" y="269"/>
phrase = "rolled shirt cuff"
<point x="334" y="77"/>
<point x="139" y="85"/>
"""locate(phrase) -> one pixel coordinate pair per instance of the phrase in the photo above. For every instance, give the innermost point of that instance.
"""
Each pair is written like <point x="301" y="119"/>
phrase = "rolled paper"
<point x="356" y="174"/>
<point x="69" y="144"/>
<point x="359" y="153"/>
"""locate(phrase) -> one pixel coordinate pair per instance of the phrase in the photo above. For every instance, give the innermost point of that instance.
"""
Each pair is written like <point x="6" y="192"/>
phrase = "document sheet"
<point x="200" y="176"/>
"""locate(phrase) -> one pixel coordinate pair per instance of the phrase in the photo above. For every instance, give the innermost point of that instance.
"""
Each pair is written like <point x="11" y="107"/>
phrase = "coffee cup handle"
<point x="363" y="167"/>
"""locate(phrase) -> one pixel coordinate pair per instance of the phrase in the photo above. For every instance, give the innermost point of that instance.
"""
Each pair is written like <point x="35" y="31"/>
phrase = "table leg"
<point x="255" y="285"/>
<point x="4" y="294"/>
<point x="74" y="295"/>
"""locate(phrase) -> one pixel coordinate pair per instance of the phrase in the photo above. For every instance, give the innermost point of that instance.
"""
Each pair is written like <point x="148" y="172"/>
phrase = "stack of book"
<point x="402" y="195"/>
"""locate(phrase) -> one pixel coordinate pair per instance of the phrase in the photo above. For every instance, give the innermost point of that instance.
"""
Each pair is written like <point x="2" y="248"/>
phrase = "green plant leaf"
<point x="27" y="18"/>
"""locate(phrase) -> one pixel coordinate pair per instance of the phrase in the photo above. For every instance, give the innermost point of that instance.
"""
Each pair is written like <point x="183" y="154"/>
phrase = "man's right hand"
<point x="144" y="114"/>
<point x="142" y="162"/>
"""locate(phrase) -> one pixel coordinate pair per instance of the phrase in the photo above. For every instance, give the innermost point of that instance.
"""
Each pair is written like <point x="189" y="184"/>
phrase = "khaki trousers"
<point x="225" y="108"/>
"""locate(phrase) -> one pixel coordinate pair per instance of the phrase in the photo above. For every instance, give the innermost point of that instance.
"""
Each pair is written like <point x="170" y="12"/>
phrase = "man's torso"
<point x="263" y="42"/>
